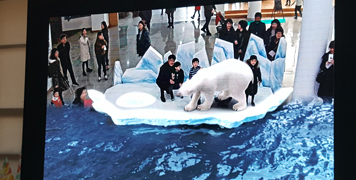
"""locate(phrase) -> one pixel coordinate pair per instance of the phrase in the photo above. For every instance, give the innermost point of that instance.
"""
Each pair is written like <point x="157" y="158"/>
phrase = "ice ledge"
<point x="155" y="112"/>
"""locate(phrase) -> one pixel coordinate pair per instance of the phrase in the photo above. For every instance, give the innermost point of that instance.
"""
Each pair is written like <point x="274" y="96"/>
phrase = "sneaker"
<point x="99" y="79"/>
<point x="89" y="70"/>
<point x="203" y="30"/>
<point x="295" y="17"/>
<point x="192" y="17"/>
<point x="75" y="84"/>
<point x="208" y="34"/>
<point x="172" y="98"/>
<point x="84" y="74"/>
<point x="106" y="77"/>
<point x="168" y="26"/>
<point x="252" y="104"/>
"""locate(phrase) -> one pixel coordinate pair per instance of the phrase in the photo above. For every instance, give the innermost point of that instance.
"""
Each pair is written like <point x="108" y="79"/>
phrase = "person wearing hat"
<point x="326" y="88"/>
<point x="271" y="48"/>
<point x="257" y="27"/>
<point x="243" y="37"/>
<point x="271" y="31"/>
<point x="257" y="79"/>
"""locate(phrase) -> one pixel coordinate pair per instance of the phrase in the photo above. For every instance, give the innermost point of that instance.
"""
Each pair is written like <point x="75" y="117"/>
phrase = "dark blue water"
<point x="294" y="142"/>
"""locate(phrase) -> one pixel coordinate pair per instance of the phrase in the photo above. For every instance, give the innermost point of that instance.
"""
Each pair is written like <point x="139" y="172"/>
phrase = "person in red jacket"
<point x="56" y="100"/>
<point x="197" y="9"/>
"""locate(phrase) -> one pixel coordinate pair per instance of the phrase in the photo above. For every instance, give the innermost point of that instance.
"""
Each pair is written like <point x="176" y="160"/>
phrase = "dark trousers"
<point x="148" y="24"/>
<point x="206" y="25"/>
<point x="298" y="8"/>
<point x="170" y="19"/>
<point x="168" y="89"/>
<point x="70" y="69"/>
<point x="101" y="62"/>
<point x="198" y="14"/>
<point x="85" y="63"/>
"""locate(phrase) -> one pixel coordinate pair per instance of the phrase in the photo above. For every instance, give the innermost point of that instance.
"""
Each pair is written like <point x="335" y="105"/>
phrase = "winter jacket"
<point x="142" y="42"/>
<point x="258" y="29"/>
<point x="57" y="76"/>
<point x="252" y="89"/>
<point x="273" y="45"/>
<point x="84" y="48"/>
<point x="165" y="75"/>
<point x="178" y="77"/>
<point x="64" y="54"/>
<point x="326" y="87"/>
<point x="208" y="9"/>
<point x="98" y="47"/>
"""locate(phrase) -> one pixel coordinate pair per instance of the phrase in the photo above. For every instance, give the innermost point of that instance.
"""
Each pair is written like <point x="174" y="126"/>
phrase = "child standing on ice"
<point x="194" y="70"/>
<point x="257" y="79"/>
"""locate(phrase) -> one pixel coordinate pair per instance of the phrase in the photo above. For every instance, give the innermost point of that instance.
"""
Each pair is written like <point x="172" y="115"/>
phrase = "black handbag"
<point x="320" y="76"/>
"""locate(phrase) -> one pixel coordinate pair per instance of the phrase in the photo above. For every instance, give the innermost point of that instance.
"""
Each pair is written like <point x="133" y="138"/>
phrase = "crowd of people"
<point x="59" y="64"/>
<point x="240" y="37"/>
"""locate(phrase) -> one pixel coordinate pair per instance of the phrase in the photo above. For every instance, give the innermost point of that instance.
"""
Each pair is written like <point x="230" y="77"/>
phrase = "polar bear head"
<point x="191" y="86"/>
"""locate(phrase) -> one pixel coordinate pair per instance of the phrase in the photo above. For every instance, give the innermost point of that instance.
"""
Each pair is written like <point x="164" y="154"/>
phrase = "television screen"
<point x="189" y="90"/>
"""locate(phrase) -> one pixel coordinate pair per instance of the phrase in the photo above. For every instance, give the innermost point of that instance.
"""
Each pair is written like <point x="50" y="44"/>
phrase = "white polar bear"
<point x="231" y="76"/>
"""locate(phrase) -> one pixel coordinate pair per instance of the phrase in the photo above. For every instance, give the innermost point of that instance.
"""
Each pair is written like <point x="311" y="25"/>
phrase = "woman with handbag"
<point x="326" y="88"/>
<point x="59" y="83"/>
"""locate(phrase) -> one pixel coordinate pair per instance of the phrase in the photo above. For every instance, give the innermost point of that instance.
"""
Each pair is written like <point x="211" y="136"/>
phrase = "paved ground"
<point x="123" y="45"/>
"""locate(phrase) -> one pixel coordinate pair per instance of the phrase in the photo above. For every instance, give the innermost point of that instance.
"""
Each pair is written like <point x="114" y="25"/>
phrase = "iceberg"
<point x="278" y="66"/>
<point x="132" y="75"/>
<point x="218" y="55"/>
<point x="255" y="46"/>
<point x="139" y="103"/>
<point x="203" y="58"/>
<point x="222" y="50"/>
<point x="185" y="54"/>
<point x="117" y="73"/>
<point x="150" y="60"/>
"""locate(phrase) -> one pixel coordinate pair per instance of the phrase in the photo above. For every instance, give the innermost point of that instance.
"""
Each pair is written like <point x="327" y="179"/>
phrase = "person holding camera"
<point x="326" y="88"/>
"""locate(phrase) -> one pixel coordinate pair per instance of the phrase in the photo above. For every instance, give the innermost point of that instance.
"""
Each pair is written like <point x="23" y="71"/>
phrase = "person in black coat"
<point x="100" y="47"/>
<point x="208" y="13"/>
<point x="105" y="31"/>
<point x="257" y="79"/>
<point x="272" y="47"/>
<point x="227" y="32"/>
<point x="59" y="83"/>
<point x="146" y="17"/>
<point x="63" y="49"/>
<point x="178" y="76"/>
<point x="170" y="12"/>
<point x="165" y="77"/>
<point x="326" y="88"/>
<point x="257" y="27"/>
<point x="142" y="39"/>
<point x="271" y="31"/>
<point x="243" y="36"/>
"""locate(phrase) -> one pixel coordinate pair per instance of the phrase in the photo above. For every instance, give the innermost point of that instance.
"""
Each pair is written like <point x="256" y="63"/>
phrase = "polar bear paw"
<point x="239" y="107"/>
<point x="222" y="97"/>
<point x="189" y="107"/>
<point x="203" y="108"/>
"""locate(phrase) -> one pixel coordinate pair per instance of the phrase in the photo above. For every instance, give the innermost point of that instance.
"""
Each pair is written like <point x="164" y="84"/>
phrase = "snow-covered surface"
<point x="132" y="103"/>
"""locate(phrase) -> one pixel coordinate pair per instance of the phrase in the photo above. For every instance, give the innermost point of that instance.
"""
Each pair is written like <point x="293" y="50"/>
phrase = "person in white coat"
<point x="298" y="6"/>
<point x="84" y="51"/>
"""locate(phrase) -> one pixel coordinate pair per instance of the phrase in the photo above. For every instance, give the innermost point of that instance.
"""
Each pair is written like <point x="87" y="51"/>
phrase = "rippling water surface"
<point x="294" y="142"/>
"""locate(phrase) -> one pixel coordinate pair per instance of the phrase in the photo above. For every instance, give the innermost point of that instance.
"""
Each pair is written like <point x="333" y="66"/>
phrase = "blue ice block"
<point x="150" y="60"/>
<point x="134" y="75"/>
<point x="185" y="54"/>
<point x="203" y="58"/>
<point x="255" y="46"/>
<point x="278" y="66"/>
<point x="117" y="73"/>
<point x="218" y="55"/>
